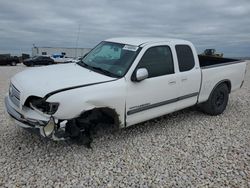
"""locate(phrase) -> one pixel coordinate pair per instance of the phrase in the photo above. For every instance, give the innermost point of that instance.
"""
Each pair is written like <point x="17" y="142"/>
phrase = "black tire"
<point x="217" y="102"/>
<point x="13" y="63"/>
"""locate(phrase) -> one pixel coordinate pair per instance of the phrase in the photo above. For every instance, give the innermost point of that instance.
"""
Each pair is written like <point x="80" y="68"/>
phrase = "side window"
<point x="158" y="61"/>
<point x="185" y="57"/>
<point x="44" y="53"/>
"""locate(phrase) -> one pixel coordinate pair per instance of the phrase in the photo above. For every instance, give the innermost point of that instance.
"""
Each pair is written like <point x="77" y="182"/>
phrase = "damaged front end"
<point x="37" y="115"/>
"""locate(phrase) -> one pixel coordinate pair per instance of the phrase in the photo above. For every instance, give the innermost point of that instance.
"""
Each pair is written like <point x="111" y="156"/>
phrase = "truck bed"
<point x="215" y="70"/>
<point x="211" y="61"/>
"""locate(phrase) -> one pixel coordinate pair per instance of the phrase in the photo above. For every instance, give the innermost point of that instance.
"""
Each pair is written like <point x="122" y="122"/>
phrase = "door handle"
<point x="171" y="82"/>
<point x="184" y="79"/>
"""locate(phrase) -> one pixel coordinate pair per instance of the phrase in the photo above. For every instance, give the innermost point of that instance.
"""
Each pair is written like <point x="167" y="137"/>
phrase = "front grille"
<point x="14" y="95"/>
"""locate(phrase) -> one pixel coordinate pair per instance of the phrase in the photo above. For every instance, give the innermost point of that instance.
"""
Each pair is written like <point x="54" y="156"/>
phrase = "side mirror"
<point x="141" y="74"/>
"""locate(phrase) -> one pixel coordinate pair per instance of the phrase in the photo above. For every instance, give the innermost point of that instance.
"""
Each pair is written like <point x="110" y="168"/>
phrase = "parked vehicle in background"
<point x="38" y="60"/>
<point x="59" y="58"/>
<point x="7" y="59"/>
<point x="122" y="81"/>
<point x="74" y="60"/>
<point x="212" y="52"/>
<point x="25" y="56"/>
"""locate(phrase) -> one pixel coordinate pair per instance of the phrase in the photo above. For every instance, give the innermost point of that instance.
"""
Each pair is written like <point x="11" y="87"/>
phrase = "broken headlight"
<point x="49" y="128"/>
<point x="43" y="106"/>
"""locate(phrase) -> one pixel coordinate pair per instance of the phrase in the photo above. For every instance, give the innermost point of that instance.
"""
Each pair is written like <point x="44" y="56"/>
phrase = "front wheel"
<point x="217" y="102"/>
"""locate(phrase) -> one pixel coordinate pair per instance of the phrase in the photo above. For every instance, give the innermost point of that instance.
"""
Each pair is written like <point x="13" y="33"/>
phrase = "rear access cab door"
<point x="188" y="75"/>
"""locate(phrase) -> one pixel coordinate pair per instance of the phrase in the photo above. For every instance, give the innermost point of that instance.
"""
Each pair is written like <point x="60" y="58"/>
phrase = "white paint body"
<point x="122" y="94"/>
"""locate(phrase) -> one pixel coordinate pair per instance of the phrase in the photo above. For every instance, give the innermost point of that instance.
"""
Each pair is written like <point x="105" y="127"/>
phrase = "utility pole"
<point x="77" y="39"/>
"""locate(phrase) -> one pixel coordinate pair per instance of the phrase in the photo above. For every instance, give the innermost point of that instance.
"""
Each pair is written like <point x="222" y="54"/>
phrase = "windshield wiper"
<point x="104" y="71"/>
<point x="81" y="63"/>
<point x="98" y="69"/>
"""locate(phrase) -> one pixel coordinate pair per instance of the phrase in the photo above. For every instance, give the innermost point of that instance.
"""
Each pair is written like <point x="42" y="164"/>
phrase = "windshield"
<point x="112" y="59"/>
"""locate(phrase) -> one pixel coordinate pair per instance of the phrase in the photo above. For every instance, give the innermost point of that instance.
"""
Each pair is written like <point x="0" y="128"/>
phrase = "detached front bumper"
<point x="38" y="125"/>
<point x="21" y="120"/>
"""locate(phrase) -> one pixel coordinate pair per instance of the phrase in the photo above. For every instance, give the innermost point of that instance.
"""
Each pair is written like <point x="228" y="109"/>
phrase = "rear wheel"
<point x="217" y="102"/>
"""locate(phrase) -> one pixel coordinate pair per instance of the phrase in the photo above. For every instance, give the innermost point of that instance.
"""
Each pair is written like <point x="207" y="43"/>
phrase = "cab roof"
<point x="141" y="41"/>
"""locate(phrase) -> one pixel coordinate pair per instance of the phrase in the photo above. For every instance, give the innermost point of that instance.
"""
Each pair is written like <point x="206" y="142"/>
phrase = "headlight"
<point x="43" y="106"/>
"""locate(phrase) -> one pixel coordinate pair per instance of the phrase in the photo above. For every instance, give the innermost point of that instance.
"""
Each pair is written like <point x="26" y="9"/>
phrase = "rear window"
<point x="185" y="57"/>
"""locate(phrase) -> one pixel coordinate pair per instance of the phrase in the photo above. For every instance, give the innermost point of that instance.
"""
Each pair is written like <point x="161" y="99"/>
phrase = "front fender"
<point x="72" y="103"/>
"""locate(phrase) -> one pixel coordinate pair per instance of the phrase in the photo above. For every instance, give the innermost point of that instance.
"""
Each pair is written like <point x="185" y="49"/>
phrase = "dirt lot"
<point x="183" y="149"/>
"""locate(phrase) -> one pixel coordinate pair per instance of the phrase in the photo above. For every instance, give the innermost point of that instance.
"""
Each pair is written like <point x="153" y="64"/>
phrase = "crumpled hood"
<point x="39" y="81"/>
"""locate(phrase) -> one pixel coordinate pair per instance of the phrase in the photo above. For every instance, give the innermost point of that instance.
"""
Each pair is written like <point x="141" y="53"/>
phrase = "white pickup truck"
<point x="122" y="81"/>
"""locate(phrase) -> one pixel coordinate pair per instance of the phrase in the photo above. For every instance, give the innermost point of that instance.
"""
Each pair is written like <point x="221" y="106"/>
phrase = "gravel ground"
<point x="183" y="149"/>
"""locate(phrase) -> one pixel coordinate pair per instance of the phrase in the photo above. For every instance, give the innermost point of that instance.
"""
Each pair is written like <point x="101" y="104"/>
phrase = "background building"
<point x="67" y="52"/>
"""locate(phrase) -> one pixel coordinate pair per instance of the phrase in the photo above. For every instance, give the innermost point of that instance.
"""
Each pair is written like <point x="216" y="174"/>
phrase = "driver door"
<point x="157" y="94"/>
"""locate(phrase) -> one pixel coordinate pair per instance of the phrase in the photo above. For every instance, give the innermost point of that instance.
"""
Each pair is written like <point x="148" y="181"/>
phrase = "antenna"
<point x="77" y="39"/>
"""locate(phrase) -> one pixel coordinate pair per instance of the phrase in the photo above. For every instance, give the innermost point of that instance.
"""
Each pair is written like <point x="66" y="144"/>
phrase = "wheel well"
<point x="228" y="83"/>
<point x="102" y="115"/>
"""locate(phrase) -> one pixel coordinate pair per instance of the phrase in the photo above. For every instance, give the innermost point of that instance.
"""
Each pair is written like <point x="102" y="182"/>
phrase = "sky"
<point x="220" y="24"/>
